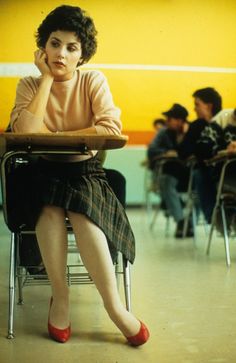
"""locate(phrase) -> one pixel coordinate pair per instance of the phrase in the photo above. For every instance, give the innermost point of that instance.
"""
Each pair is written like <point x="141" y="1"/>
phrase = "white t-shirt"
<point x="225" y="117"/>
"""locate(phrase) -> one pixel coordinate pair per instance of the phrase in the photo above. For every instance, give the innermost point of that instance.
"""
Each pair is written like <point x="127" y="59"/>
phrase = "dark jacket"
<point x="203" y="139"/>
<point x="164" y="141"/>
<point x="229" y="135"/>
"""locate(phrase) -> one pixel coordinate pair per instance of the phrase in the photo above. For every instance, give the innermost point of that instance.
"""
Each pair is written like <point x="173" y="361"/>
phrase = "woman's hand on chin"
<point x="40" y="60"/>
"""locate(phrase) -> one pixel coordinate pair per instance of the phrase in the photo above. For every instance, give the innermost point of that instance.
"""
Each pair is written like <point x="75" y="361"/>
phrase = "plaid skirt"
<point x="82" y="187"/>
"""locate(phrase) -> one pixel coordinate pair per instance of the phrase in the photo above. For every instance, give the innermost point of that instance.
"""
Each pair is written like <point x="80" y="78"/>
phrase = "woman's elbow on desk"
<point x="108" y="129"/>
<point x="23" y="121"/>
<point x="19" y="127"/>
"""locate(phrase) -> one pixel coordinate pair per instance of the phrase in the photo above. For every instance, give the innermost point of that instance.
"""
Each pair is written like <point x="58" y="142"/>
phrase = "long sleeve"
<point x="210" y="141"/>
<point x="188" y="145"/>
<point x="79" y="103"/>
<point x="229" y="135"/>
<point x="203" y="140"/>
<point x="25" y="92"/>
<point x="106" y="115"/>
<point x="160" y="144"/>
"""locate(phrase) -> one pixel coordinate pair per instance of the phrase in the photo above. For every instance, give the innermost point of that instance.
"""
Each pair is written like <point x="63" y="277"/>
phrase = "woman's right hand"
<point x="40" y="60"/>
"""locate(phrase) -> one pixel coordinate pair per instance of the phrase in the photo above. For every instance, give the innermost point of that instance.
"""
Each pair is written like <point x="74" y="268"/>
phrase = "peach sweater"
<point x="83" y="101"/>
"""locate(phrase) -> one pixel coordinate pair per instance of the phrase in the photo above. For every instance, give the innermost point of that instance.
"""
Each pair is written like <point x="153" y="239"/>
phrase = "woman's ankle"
<point x="60" y="294"/>
<point x="126" y="322"/>
<point x="59" y="313"/>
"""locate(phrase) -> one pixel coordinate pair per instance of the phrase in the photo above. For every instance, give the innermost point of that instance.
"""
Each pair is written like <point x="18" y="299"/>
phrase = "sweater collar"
<point x="66" y="84"/>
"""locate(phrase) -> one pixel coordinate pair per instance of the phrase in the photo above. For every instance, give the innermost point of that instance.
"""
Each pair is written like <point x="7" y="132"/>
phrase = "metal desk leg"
<point x="213" y="221"/>
<point x="226" y="237"/>
<point x="12" y="275"/>
<point x="127" y="283"/>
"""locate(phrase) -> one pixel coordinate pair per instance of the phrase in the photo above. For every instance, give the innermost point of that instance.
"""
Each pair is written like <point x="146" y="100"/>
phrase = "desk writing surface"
<point x="60" y="140"/>
<point x="221" y="156"/>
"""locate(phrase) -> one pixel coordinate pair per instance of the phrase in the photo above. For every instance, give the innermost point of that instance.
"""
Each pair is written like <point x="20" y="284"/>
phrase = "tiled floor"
<point x="188" y="301"/>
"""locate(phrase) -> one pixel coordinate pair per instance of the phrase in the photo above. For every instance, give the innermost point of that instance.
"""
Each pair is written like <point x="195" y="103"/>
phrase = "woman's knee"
<point x="77" y="218"/>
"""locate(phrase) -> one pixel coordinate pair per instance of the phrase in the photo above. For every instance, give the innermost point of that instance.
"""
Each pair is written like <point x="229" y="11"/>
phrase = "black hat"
<point x="176" y="111"/>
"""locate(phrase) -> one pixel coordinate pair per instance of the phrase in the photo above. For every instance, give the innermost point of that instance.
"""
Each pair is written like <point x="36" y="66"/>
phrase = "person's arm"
<point x="187" y="147"/>
<point x="160" y="145"/>
<point x="232" y="146"/>
<point x="29" y="111"/>
<point x="209" y="142"/>
<point x="106" y="116"/>
<point x="229" y="135"/>
<point x="87" y="131"/>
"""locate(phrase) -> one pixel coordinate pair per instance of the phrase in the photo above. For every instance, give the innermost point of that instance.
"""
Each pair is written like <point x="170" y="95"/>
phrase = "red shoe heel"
<point x="140" y="338"/>
<point x="59" y="335"/>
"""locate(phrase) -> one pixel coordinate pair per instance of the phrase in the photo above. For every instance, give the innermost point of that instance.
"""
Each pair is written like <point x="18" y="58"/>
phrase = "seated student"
<point x="226" y="119"/>
<point x="29" y="253"/>
<point x="158" y="124"/>
<point x="68" y="99"/>
<point x="202" y="140"/>
<point x="175" y="175"/>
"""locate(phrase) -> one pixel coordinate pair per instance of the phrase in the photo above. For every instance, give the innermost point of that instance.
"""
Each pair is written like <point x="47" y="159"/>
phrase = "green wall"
<point x="128" y="161"/>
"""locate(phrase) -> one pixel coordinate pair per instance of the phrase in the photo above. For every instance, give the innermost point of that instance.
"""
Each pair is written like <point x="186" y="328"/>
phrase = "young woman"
<point x="65" y="98"/>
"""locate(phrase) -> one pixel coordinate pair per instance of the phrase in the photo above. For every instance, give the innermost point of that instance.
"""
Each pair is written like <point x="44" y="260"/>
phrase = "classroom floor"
<point x="188" y="301"/>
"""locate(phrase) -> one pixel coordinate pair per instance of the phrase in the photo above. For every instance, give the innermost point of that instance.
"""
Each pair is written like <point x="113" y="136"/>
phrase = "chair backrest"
<point x="18" y="193"/>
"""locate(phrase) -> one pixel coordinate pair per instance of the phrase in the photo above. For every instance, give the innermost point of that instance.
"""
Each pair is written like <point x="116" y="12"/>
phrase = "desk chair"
<point x="225" y="199"/>
<point x="187" y="197"/>
<point x="155" y="175"/>
<point x="192" y="203"/>
<point x="76" y="274"/>
<point x="150" y="190"/>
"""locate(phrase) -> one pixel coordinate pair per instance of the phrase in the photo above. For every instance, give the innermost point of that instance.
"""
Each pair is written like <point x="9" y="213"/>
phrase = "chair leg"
<point x="211" y="230"/>
<point x="12" y="277"/>
<point x="153" y="221"/>
<point x="127" y="283"/>
<point x="194" y="222"/>
<point x="210" y="239"/>
<point x="226" y="237"/>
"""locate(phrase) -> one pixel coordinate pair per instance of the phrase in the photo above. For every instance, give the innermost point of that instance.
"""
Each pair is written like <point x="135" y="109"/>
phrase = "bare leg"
<point x="96" y="257"/>
<point x="52" y="239"/>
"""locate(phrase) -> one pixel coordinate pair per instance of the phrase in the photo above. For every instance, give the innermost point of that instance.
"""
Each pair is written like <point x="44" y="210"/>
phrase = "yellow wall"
<point x="152" y="32"/>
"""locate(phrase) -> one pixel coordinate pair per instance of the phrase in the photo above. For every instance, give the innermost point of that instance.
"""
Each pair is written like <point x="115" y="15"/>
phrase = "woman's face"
<point x="202" y="109"/>
<point x="63" y="50"/>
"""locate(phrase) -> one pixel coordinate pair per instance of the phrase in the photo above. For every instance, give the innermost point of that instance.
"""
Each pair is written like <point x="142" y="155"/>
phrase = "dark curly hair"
<point x="74" y="19"/>
<point x="210" y="95"/>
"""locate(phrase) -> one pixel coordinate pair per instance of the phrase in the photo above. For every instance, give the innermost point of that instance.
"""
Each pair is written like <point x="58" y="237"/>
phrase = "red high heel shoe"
<point x="60" y="335"/>
<point x="140" y="338"/>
